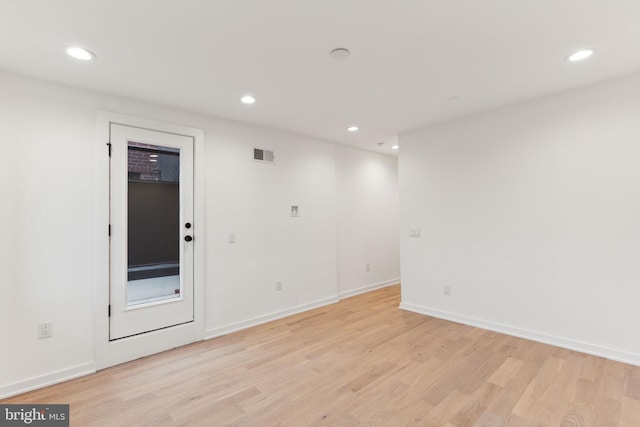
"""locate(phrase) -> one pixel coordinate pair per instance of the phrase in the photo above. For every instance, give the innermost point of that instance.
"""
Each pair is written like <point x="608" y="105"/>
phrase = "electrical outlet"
<point x="446" y="290"/>
<point x="278" y="286"/>
<point x="232" y="237"/>
<point x="45" y="330"/>
<point x="368" y="267"/>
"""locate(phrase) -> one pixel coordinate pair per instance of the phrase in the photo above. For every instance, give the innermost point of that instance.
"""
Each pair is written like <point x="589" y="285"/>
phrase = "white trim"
<point x="583" y="347"/>
<point x="368" y="288"/>
<point x="110" y="353"/>
<point x="245" y="324"/>
<point x="46" y="380"/>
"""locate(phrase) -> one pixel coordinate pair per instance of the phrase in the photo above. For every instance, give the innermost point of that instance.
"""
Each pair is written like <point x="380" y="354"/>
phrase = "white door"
<point x="151" y="243"/>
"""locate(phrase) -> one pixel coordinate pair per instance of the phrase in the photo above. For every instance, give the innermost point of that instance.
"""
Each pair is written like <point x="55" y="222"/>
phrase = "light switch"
<point x="232" y="237"/>
<point x="415" y="233"/>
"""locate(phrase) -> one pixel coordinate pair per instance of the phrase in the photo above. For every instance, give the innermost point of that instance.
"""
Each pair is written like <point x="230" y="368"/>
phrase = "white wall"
<point x="47" y="229"/>
<point x="532" y="215"/>
<point x="253" y="200"/>
<point x="367" y="220"/>
<point x="48" y="217"/>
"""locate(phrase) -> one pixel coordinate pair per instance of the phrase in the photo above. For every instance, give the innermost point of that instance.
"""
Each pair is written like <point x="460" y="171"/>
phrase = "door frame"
<point x="109" y="353"/>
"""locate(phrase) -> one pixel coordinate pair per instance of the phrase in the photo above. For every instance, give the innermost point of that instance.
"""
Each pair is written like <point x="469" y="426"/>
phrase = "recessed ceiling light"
<point x="395" y="147"/>
<point x="153" y="155"/>
<point x="339" y="53"/>
<point x="580" y="55"/>
<point x="248" y="99"/>
<point x="80" y="53"/>
<point x="353" y="128"/>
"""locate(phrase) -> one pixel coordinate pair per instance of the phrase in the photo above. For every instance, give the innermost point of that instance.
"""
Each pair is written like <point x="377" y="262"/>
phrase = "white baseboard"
<point x="583" y="347"/>
<point x="234" y="327"/>
<point x="46" y="380"/>
<point x="368" y="288"/>
<point x="245" y="324"/>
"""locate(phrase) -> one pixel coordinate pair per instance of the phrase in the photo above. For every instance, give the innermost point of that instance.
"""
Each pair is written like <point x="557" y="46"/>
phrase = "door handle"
<point x="188" y="238"/>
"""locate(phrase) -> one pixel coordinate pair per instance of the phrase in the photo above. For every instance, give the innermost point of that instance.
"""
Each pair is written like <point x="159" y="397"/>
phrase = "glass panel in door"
<point x="153" y="267"/>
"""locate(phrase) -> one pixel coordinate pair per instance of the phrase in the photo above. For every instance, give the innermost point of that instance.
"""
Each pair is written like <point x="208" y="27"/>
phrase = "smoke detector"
<point x="339" y="53"/>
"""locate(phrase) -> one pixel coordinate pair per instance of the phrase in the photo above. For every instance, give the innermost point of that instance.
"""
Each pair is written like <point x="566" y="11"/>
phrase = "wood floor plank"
<point x="360" y="362"/>
<point x="505" y="372"/>
<point x="630" y="412"/>
<point x="489" y="420"/>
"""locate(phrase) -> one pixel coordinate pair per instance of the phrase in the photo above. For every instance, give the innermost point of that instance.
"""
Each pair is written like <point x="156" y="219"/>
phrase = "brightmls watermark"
<point x="34" y="415"/>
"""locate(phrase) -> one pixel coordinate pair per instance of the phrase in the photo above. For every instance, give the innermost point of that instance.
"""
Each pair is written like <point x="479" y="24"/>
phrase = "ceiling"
<point x="412" y="63"/>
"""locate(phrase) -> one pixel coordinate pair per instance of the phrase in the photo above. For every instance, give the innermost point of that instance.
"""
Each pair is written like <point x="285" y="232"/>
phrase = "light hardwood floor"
<point x="361" y="362"/>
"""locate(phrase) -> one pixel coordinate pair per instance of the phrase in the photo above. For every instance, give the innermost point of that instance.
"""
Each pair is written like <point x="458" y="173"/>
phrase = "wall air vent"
<point x="261" y="155"/>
